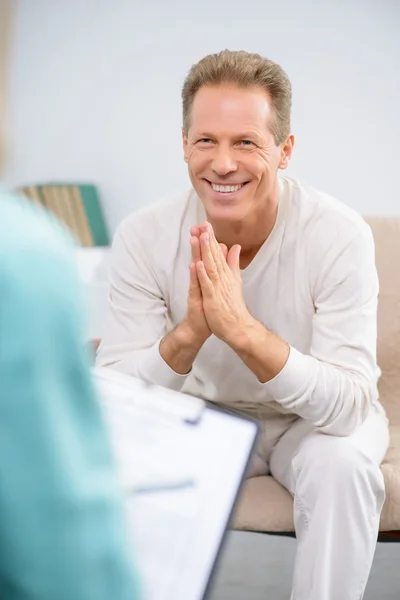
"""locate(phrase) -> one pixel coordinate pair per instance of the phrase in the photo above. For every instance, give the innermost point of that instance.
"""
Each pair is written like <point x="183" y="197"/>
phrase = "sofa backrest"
<point x="386" y="231"/>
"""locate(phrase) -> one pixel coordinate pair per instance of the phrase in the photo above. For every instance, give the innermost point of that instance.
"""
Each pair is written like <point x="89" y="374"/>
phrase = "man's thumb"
<point x="233" y="258"/>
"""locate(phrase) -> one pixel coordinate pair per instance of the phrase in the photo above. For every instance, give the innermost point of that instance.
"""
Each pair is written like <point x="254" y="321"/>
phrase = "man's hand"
<point x="218" y="277"/>
<point x="195" y="318"/>
<point x="180" y="347"/>
<point x="220" y="284"/>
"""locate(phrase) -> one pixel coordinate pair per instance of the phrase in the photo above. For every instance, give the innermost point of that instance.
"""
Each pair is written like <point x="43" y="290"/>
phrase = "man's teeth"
<point x="226" y="188"/>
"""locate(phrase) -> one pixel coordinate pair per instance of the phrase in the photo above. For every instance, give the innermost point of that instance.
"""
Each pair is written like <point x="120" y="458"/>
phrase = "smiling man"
<point x="280" y="318"/>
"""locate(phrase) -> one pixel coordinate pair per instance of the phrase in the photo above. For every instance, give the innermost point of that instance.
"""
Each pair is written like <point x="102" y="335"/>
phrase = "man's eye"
<point x="247" y="143"/>
<point x="205" y="141"/>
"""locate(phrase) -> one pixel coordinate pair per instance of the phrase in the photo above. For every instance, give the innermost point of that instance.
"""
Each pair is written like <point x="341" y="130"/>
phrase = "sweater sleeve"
<point x="333" y="387"/>
<point x="137" y="319"/>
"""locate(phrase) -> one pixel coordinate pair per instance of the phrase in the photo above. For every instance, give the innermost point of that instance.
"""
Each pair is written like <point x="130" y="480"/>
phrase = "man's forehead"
<point x="240" y="108"/>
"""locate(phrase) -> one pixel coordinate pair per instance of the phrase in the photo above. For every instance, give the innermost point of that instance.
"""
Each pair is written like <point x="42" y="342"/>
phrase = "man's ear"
<point x="286" y="152"/>
<point x="185" y="146"/>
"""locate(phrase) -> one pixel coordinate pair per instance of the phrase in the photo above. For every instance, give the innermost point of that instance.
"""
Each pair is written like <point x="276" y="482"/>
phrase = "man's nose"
<point x="224" y="161"/>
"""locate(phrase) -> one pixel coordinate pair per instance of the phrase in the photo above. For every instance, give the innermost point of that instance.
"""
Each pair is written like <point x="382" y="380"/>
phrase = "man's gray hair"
<point x="246" y="70"/>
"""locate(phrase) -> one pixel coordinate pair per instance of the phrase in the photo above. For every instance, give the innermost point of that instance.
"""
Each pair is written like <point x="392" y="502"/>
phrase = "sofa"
<point x="264" y="504"/>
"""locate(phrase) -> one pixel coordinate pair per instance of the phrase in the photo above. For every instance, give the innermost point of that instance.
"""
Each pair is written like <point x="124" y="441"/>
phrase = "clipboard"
<point x="179" y="517"/>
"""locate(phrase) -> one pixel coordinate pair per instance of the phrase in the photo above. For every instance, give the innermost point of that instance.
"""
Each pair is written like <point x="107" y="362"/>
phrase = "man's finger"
<point x="207" y="257"/>
<point x="215" y="247"/>
<point x="204" y="280"/>
<point x="217" y="250"/>
<point x="233" y="259"/>
<point x="224" y="249"/>
<point x="194" y="285"/>
<point x="195" y="245"/>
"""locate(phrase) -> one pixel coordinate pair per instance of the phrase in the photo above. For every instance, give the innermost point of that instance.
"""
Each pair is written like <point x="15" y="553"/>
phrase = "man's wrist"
<point x="179" y="348"/>
<point x="240" y="338"/>
<point x="263" y="352"/>
<point x="188" y="337"/>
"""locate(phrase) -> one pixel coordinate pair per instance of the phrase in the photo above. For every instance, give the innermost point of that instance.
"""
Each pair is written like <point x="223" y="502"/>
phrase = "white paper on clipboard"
<point x="181" y="465"/>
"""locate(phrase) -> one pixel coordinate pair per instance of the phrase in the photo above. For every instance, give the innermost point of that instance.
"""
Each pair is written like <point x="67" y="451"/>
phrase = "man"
<point x="280" y="318"/>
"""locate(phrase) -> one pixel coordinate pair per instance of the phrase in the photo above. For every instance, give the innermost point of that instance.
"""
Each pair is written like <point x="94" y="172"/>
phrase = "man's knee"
<point x="327" y="463"/>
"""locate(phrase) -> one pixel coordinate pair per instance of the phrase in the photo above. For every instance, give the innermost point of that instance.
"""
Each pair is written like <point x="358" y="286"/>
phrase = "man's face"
<point x="230" y="151"/>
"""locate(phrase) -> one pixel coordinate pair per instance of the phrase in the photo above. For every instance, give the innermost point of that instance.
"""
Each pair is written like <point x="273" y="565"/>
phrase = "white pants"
<point x="338" y="492"/>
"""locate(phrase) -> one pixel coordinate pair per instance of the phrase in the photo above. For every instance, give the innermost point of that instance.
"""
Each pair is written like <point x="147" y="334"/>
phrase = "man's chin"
<point x="223" y="211"/>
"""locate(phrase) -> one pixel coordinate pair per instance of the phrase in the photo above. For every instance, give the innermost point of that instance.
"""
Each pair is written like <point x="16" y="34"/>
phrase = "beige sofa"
<point x="264" y="504"/>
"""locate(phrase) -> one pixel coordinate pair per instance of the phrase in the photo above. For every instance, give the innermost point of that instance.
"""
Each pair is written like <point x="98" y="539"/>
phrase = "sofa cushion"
<point x="265" y="505"/>
<point x="386" y="233"/>
<point x="390" y="518"/>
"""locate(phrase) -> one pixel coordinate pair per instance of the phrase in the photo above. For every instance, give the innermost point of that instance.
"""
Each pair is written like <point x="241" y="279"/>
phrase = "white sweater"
<point x="313" y="282"/>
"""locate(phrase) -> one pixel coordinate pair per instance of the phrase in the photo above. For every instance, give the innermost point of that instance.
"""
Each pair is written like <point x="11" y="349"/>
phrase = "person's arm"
<point x="334" y="385"/>
<point x="179" y="348"/>
<point x="62" y="530"/>
<point x="137" y="341"/>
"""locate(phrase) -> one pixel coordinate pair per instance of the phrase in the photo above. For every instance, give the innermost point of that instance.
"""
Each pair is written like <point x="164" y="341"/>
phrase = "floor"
<point x="256" y="566"/>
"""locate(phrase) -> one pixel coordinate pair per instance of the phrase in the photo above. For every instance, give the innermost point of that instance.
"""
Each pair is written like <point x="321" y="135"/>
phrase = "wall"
<point x="95" y="91"/>
<point x="5" y="29"/>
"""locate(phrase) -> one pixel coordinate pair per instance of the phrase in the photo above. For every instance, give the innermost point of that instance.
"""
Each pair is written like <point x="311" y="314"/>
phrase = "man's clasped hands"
<point x="215" y="301"/>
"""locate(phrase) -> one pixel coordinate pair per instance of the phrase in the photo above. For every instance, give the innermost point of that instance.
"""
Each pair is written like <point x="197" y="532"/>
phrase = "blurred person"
<point x="62" y="528"/>
<point x="62" y="531"/>
<point x="280" y="318"/>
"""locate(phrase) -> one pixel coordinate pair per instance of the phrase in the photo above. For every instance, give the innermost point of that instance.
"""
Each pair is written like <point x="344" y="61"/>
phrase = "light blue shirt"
<point x="62" y="531"/>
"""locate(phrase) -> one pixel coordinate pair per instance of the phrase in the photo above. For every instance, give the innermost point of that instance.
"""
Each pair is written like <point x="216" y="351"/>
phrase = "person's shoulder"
<point x="36" y="252"/>
<point x="161" y="222"/>
<point x="28" y="229"/>
<point x="324" y="216"/>
<point x="166" y="211"/>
